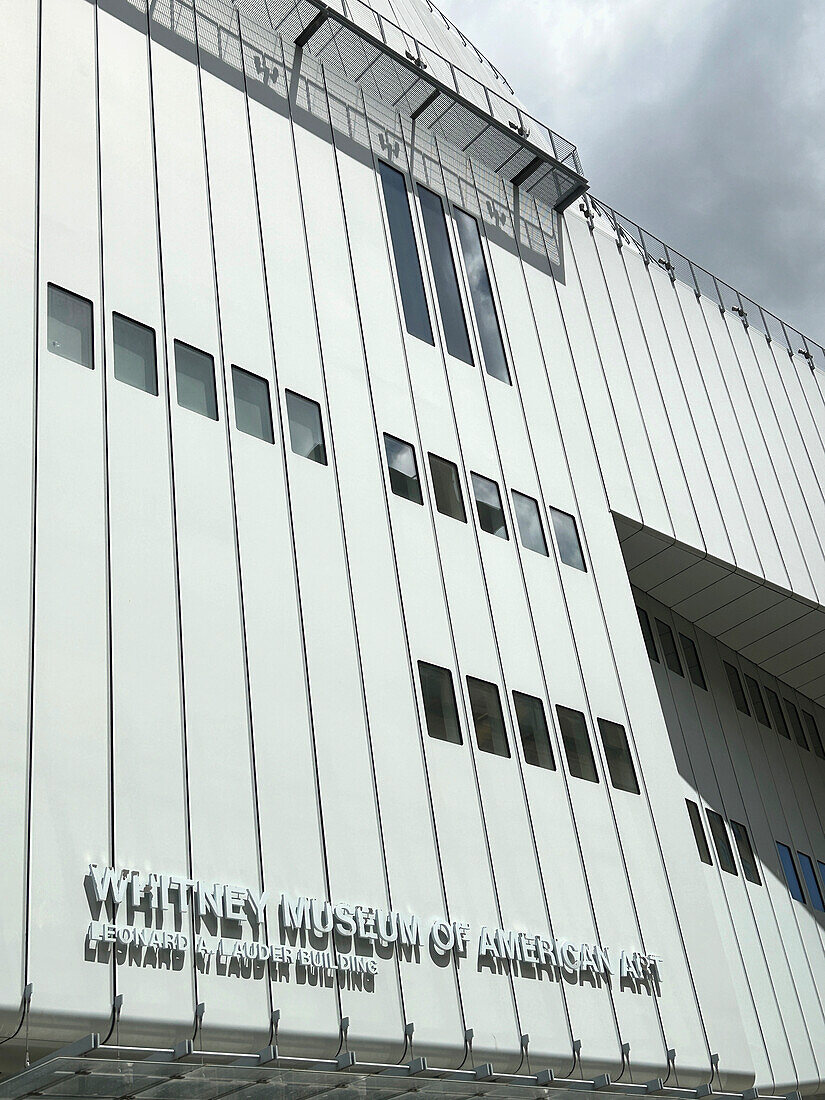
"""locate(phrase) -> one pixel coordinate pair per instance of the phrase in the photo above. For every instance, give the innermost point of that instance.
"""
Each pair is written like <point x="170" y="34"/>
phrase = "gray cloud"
<point x="700" y="119"/>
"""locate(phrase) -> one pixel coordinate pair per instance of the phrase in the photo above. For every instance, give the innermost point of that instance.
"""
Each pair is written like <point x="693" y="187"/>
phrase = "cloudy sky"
<point x="703" y="120"/>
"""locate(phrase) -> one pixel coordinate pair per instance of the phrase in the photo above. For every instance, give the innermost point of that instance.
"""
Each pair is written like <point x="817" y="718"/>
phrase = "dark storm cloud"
<point x="703" y="121"/>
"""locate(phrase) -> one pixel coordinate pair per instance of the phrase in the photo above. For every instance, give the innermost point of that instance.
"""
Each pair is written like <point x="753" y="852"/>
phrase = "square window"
<point x="253" y="413"/>
<point x="669" y="650"/>
<point x="567" y="538"/>
<point x="699" y="832"/>
<point x="529" y="523"/>
<point x="488" y="506"/>
<point x="617" y="753"/>
<point x="447" y="488"/>
<point x="69" y="326"/>
<point x="403" y="469"/>
<point x="791" y="874"/>
<point x="135" y="356"/>
<point x="777" y="714"/>
<point x="694" y="665"/>
<point x="488" y="720"/>
<point x="577" y="744"/>
<point x="757" y="702"/>
<point x="647" y="634"/>
<point x="440" y="710"/>
<point x="532" y="725"/>
<point x="721" y="840"/>
<point x="195" y="375"/>
<point x="306" y="432"/>
<point x="743" y="844"/>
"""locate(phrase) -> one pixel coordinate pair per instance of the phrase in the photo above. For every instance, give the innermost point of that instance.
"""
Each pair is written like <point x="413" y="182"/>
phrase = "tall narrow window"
<point x="529" y="523"/>
<point x="757" y="702"/>
<point x="491" y="736"/>
<point x="721" y="842"/>
<point x="748" y="859"/>
<point x="694" y="665"/>
<point x="403" y="469"/>
<point x="821" y="867"/>
<point x="438" y="696"/>
<point x="809" y="874"/>
<point x="576" y="742"/>
<point x="617" y="753"/>
<point x="195" y="377"/>
<point x="69" y="326"/>
<point x="796" y="725"/>
<point x="777" y="713"/>
<point x="736" y="689"/>
<point x="813" y="733"/>
<point x="488" y="505"/>
<point x="481" y="292"/>
<point x="253" y="414"/>
<point x="791" y="873"/>
<point x="698" y="832"/>
<point x="647" y="634"/>
<point x="567" y="539"/>
<point x="134" y="358"/>
<point x="532" y="726"/>
<point x="407" y="263"/>
<point x="446" y="283"/>
<point x="447" y="488"/>
<point x="306" y="431"/>
<point x="669" y="650"/>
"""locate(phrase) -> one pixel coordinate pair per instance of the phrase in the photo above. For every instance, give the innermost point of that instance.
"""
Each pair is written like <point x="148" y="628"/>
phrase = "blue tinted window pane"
<point x="789" y="867"/>
<point x="446" y="283"/>
<point x="482" y="295"/>
<point x="407" y="265"/>
<point x="809" y="874"/>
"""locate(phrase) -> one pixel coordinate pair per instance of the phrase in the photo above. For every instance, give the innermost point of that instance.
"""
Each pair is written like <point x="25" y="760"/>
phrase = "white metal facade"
<point x="210" y="644"/>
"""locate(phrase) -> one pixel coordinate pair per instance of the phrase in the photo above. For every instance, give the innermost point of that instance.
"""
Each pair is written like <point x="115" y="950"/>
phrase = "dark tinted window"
<point x="488" y="506"/>
<point x="529" y="523"/>
<point x="698" y="831"/>
<point x="532" y="725"/>
<point x="791" y="874"/>
<point x="669" y="650"/>
<point x="647" y="634"/>
<point x="813" y="733"/>
<point x="407" y="264"/>
<point x="438" y="696"/>
<point x="757" y="702"/>
<point x="403" y="469"/>
<point x="195" y="378"/>
<point x="482" y="295"/>
<point x="617" y="753"/>
<point x="694" y="665"/>
<point x="447" y="488"/>
<point x="796" y="725"/>
<point x="809" y="874"/>
<point x="306" y="432"/>
<point x="721" y="842"/>
<point x="134" y="358"/>
<point x="69" y="326"/>
<point x="737" y="691"/>
<point x="777" y="713"/>
<point x="488" y="720"/>
<point x="446" y="283"/>
<point x="567" y="539"/>
<point x="746" y="856"/>
<point x="821" y="867"/>
<point x="576" y="741"/>
<point x="253" y="413"/>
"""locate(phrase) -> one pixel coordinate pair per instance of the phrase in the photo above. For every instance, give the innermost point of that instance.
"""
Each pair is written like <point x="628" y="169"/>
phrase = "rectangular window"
<point x="721" y="841"/>
<point x="481" y="293"/>
<point x="698" y="832"/>
<point x="647" y="634"/>
<point x="567" y="539"/>
<point x="446" y="283"/>
<point x="669" y="650"/>
<point x="407" y="263"/>
<point x="796" y="725"/>
<point x="69" y="326"/>
<point x="809" y="874"/>
<point x="403" y="469"/>
<point x="777" y="713"/>
<point x="447" y="488"/>
<point x="694" y="665"/>
<point x="306" y="431"/>
<point x="617" y="753"/>
<point x="440" y="709"/>
<point x="791" y="875"/>
<point x="813" y="733"/>
<point x="576" y="741"/>
<point x="743" y="845"/>
<point x="488" y="505"/>
<point x="532" y="725"/>
<point x="488" y="720"/>
<point x="253" y="413"/>
<point x="529" y="523"/>
<point x="134" y="358"/>
<point x="195" y="377"/>
<point x="821" y="867"/>
<point x="757" y="702"/>
<point x="736" y="689"/>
